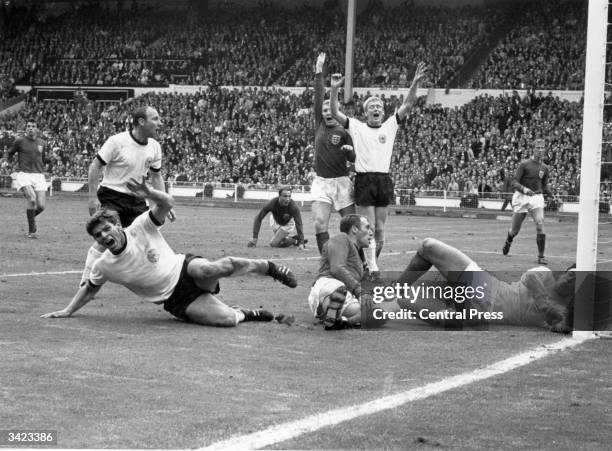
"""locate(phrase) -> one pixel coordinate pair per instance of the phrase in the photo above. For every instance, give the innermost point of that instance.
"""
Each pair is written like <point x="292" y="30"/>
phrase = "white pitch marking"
<point x="292" y="429"/>
<point x="50" y="273"/>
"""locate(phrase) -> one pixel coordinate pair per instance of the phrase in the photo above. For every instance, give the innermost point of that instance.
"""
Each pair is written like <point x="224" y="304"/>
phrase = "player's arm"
<point x="257" y="222"/>
<point x="545" y="189"/>
<point x="516" y="185"/>
<point x="411" y="97"/>
<point x="337" y="255"/>
<point x="337" y="81"/>
<point x="162" y="201"/>
<point x="349" y="150"/>
<point x="84" y="294"/>
<point x="319" y="88"/>
<point x="158" y="183"/>
<point x="93" y="179"/>
<point x="299" y="226"/>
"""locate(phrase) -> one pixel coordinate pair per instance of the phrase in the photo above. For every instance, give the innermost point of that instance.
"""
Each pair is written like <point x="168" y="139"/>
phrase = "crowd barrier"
<point x="236" y="192"/>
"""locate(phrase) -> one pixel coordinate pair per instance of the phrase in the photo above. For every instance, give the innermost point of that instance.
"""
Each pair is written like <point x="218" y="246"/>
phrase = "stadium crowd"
<point x="263" y="137"/>
<point x="138" y="46"/>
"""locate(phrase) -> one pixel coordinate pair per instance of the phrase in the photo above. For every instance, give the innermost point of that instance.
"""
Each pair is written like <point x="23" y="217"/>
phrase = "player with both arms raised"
<point x="331" y="186"/>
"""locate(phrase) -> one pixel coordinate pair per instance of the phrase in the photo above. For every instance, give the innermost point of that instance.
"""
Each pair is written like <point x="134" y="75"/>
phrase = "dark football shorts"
<point x="374" y="189"/>
<point x="185" y="292"/>
<point x="128" y="207"/>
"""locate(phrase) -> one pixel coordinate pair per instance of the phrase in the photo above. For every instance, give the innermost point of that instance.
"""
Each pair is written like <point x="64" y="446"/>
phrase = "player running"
<point x="139" y="258"/>
<point x="530" y="185"/>
<point x="29" y="177"/>
<point x="331" y="186"/>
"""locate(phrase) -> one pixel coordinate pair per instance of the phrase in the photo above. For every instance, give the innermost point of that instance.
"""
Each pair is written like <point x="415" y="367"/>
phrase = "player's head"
<point x="359" y="227"/>
<point x="284" y="195"/>
<point x="374" y="110"/>
<point x="30" y="129"/>
<point x="146" y="122"/>
<point x="105" y="227"/>
<point x="327" y="115"/>
<point x="565" y="284"/>
<point x="539" y="147"/>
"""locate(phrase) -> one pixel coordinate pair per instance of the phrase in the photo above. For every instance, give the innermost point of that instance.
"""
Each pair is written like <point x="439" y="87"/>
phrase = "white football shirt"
<point x="127" y="158"/>
<point x="373" y="145"/>
<point x="147" y="266"/>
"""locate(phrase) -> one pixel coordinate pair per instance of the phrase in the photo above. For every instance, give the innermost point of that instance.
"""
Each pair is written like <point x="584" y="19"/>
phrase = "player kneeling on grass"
<point x="536" y="299"/>
<point x="140" y="259"/>
<point x="335" y="297"/>
<point x="285" y="221"/>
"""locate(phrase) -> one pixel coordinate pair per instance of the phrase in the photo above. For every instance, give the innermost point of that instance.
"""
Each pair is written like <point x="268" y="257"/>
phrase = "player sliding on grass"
<point x="537" y="299"/>
<point x="139" y="258"/>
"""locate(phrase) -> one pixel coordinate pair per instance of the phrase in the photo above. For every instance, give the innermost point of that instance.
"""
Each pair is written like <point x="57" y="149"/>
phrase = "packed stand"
<point x="264" y="137"/>
<point x="545" y="50"/>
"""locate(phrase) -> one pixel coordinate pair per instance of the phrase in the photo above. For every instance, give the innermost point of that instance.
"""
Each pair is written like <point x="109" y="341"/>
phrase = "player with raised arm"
<point x="530" y="185"/>
<point x="29" y="177"/>
<point x="335" y="296"/>
<point x="538" y="298"/>
<point x="285" y="221"/>
<point x="139" y="258"/>
<point x="331" y="186"/>
<point x="373" y="142"/>
<point x="127" y="155"/>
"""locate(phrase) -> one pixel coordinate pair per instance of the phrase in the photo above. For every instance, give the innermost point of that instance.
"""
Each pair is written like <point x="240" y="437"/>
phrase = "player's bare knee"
<point x="320" y="224"/>
<point x="540" y="226"/>
<point x="428" y="246"/>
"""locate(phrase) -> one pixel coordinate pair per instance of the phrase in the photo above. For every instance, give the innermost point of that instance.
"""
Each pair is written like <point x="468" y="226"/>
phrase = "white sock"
<point x="370" y="256"/>
<point x="92" y="255"/>
<point x="239" y="315"/>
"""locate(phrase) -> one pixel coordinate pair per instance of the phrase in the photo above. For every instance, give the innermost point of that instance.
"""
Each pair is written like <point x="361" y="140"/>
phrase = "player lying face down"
<point x="537" y="299"/>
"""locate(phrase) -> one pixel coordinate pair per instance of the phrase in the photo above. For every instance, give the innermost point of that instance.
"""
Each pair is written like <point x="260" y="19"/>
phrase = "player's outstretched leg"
<point x="283" y="274"/>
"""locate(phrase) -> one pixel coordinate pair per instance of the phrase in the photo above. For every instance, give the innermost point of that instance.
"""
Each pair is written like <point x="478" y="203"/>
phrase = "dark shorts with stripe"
<point x="185" y="292"/>
<point x="374" y="189"/>
<point x="128" y="207"/>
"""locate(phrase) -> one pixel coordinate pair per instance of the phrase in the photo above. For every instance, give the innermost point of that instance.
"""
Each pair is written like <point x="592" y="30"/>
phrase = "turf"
<point x="121" y="373"/>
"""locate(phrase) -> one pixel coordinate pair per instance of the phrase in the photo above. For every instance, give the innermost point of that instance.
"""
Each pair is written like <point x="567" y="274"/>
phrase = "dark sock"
<point x="415" y="269"/>
<point x="322" y="238"/>
<point x="510" y="237"/>
<point x="379" y="247"/>
<point x="39" y="210"/>
<point x="541" y="242"/>
<point x="31" y="215"/>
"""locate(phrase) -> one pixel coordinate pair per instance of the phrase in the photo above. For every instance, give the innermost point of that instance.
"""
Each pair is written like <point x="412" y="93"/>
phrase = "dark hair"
<point x="139" y="113"/>
<point x="100" y="216"/>
<point x="349" y="221"/>
<point x="284" y="188"/>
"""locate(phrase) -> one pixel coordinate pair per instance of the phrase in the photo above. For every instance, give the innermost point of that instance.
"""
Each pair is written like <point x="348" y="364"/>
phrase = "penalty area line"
<point x="289" y="430"/>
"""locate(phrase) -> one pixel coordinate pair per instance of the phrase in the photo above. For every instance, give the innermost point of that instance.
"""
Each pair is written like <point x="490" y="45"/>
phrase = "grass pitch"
<point x="122" y="373"/>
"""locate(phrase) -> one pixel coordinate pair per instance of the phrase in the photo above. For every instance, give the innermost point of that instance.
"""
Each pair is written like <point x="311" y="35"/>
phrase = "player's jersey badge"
<point x="148" y="162"/>
<point x="382" y="139"/>
<point x="153" y="255"/>
<point x="335" y="139"/>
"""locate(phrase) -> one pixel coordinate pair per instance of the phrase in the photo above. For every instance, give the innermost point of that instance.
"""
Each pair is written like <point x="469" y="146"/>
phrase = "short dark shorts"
<point x="185" y="292"/>
<point x="373" y="189"/>
<point x="129" y="207"/>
